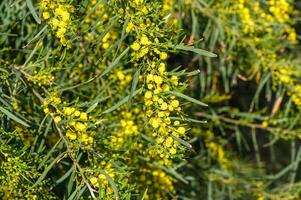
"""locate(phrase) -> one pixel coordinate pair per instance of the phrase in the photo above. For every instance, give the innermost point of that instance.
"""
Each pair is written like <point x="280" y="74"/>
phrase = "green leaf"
<point x="147" y="138"/>
<point x="46" y="157"/>
<point x="109" y="68"/>
<point x="123" y="36"/>
<point x="32" y="53"/>
<point x="13" y="117"/>
<point x="33" y="11"/>
<point x="177" y="175"/>
<point x="172" y="172"/>
<point x="188" y="98"/>
<point x="37" y="35"/>
<point x="42" y="142"/>
<point x="192" y="73"/>
<point x="115" y="62"/>
<point x="144" y="194"/>
<point x="195" y="50"/>
<point x="134" y="84"/>
<point x="105" y="32"/>
<point x="186" y="144"/>
<point x="123" y="101"/>
<point x="71" y="184"/>
<point x="95" y="104"/>
<point x="194" y="120"/>
<point x="79" y="190"/>
<point x="112" y="183"/>
<point x="43" y="175"/>
<point x="65" y="176"/>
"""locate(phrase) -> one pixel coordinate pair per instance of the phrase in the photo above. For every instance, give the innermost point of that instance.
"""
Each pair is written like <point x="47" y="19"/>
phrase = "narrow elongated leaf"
<point x="32" y="53"/>
<point x="13" y="117"/>
<point x="201" y="52"/>
<point x="109" y="68"/>
<point x="49" y="154"/>
<point x="105" y="32"/>
<point x="123" y="36"/>
<point x="33" y="11"/>
<point x="172" y="172"/>
<point x="65" y="176"/>
<point x="123" y="101"/>
<point x="188" y="98"/>
<point x="147" y="138"/>
<point x="195" y="120"/>
<point x="186" y="144"/>
<point x="177" y="175"/>
<point x="71" y="184"/>
<point x="95" y="103"/>
<point x="80" y="189"/>
<point x="144" y="194"/>
<point x="43" y="175"/>
<point x="37" y="35"/>
<point x="192" y="73"/>
<point x="134" y="84"/>
<point x="115" y="62"/>
<point x="92" y="107"/>
<point x="112" y="183"/>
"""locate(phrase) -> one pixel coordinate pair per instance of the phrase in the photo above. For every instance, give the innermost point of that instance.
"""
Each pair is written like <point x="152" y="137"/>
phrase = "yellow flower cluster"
<point x="109" y="39"/>
<point x="156" y="179"/>
<point x="95" y="12"/>
<point x="280" y="10"/>
<point x="246" y="17"/>
<point x="121" y="77"/>
<point x="170" y="9"/>
<point x="256" y="19"/>
<point x="75" y="121"/>
<point x="296" y="95"/>
<point x="42" y="78"/>
<point x="216" y="150"/>
<point x="167" y="5"/>
<point x="15" y="175"/>
<point x="99" y="180"/>
<point x="58" y="15"/>
<point x="291" y="34"/>
<point x="159" y="108"/>
<point x="162" y="111"/>
<point x="25" y="135"/>
<point x="288" y="76"/>
<point x="127" y="128"/>
<point x="52" y="99"/>
<point x="77" y="127"/>
<point x="9" y="166"/>
<point x="100" y="13"/>
<point x="130" y="27"/>
<point x="144" y="46"/>
<point x="283" y="73"/>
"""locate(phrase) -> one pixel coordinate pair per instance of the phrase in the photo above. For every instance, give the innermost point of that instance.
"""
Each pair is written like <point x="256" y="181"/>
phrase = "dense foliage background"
<point x="163" y="99"/>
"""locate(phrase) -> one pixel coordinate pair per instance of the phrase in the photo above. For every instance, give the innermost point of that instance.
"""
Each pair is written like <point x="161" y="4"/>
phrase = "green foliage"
<point x="164" y="99"/>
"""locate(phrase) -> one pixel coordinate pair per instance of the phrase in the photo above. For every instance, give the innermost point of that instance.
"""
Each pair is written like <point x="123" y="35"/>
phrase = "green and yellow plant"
<point x="163" y="99"/>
